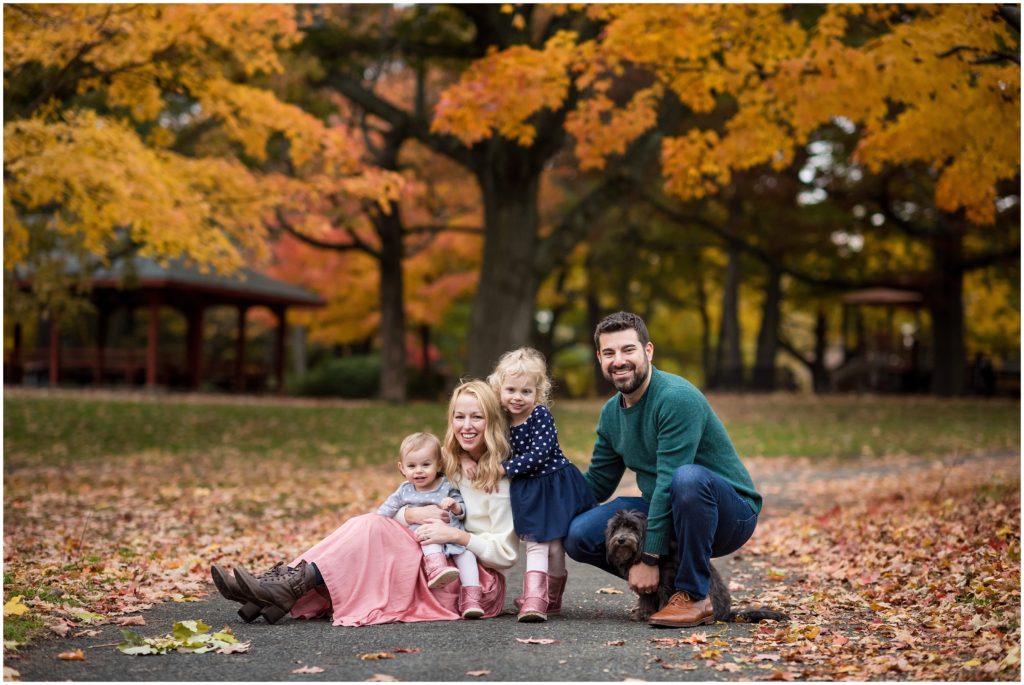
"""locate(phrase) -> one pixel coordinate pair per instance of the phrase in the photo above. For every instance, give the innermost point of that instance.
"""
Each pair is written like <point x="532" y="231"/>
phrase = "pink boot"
<point x="439" y="573"/>
<point x="556" y="588"/>
<point x="469" y="601"/>
<point x="535" y="598"/>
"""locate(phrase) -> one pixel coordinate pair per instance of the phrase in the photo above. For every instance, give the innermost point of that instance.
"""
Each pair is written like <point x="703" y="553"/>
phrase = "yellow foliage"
<point x="15" y="235"/>
<point x="601" y="129"/>
<point x="915" y="90"/>
<point x="105" y="179"/>
<point x="501" y="91"/>
<point x="992" y="306"/>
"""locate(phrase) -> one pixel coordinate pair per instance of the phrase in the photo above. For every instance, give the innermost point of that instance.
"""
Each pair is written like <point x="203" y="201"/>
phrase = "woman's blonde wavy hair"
<point x="525" y="360"/>
<point x="495" y="438"/>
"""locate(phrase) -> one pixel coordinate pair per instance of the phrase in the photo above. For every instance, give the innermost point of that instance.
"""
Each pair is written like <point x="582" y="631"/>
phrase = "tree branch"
<point x="796" y="354"/>
<point x="991" y="58"/>
<point x="824" y="281"/>
<point x="358" y="245"/>
<point x="574" y="224"/>
<point x="399" y="119"/>
<point x="984" y="259"/>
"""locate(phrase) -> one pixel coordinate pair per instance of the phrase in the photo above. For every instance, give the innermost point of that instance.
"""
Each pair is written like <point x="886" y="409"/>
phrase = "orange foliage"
<point x="103" y="176"/>
<point x="923" y="87"/>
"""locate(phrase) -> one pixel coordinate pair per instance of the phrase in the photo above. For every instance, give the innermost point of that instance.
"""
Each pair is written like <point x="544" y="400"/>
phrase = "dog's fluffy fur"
<point x="624" y="541"/>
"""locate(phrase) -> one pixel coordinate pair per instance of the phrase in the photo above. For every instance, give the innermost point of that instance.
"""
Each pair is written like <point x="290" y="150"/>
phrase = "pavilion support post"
<point x="102" y="321"/>
<point x="240" y="350"/>
<point x="54" y="350"/>
<point x="194" y="345"/>
<point x="279" y="336"/>
<point x="152" y="340"/>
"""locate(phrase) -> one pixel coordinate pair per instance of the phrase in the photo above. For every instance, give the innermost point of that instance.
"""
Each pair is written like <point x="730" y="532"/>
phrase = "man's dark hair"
<point x="621" y="321"/>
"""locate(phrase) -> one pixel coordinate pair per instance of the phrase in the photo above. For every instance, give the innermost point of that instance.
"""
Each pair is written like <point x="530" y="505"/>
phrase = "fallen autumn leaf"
<point x="131" y="621"/>
<point x="14" y="607"/>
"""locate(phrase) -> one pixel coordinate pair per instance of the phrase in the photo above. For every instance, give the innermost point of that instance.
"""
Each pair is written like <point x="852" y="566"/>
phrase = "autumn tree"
<point x="507" y="165"/>
<point x="135" y="129"/>
<point x="389" y="232"/>
<point x="932" y="85"/>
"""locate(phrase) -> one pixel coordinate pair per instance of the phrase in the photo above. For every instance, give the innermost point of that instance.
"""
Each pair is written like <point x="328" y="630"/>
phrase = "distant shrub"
<point x="356" y="377"/>
<point x="425" y="386"/>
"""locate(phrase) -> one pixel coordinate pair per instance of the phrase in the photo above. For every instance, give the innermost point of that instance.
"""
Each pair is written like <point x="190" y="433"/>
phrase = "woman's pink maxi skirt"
<point x="373" y="569"/>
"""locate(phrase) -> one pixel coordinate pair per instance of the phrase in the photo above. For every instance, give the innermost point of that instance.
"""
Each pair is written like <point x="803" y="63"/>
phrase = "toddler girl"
<point x="547" y="490"/>
<point x="420" y="463"/>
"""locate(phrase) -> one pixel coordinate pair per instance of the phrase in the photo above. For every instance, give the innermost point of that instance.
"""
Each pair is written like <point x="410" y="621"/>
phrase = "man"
<point x="694" y="486"/>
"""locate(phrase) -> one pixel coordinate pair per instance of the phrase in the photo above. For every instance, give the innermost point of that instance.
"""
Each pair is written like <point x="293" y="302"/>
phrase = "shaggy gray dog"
<point x="624" y="541"/>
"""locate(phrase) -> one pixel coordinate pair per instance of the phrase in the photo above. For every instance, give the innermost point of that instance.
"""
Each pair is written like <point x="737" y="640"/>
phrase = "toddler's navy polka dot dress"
<point x="547" y="490"/>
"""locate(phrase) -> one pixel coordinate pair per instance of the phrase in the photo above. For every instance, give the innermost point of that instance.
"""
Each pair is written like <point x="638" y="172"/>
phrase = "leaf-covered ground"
<point x="911" y="572"/>
<point x="892" y="569"/>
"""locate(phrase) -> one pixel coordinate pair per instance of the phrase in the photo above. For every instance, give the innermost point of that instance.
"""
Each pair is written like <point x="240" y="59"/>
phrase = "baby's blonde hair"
<point x="525" y="360"/>
<point x="416" y="441"/>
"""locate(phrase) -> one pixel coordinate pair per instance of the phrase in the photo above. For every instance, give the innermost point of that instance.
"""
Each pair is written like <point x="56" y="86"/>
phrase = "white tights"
<point x="548" y="557"/>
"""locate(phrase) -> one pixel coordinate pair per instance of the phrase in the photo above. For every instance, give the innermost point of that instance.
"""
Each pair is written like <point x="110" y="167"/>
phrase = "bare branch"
<point x="316" y="242"/>
<point x="446" y="228"/>
<point x="991" y="58"/>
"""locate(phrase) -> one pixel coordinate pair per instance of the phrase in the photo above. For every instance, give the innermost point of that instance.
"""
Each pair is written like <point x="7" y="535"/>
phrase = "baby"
<point x="420" y="463"/>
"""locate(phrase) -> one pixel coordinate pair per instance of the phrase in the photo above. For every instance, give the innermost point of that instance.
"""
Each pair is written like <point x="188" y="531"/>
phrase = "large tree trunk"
<point x="948" y="338"/>
<point x="946" y="305"/>
<point x="768" y="336"/>
<point x="392" y="310"/>
<point x="705" y="321"/>
<point x="502" y="315"/>
<point x="819" y="374"/>
<point x="729" y="366"/>
<point x="602" y="386"/>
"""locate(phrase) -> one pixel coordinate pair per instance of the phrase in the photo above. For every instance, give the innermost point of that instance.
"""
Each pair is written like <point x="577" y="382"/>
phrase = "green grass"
<point x="24" y="629"/>
<point x="56" y="429"/>
<point x="42" y="429"/>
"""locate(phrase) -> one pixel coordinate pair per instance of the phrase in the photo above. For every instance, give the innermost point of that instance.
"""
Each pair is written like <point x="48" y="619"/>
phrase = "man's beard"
<point x="629" y="384"/>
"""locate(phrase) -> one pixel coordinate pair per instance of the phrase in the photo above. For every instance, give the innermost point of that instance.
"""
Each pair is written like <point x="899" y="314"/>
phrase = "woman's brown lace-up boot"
<point x="278" y="594"/>
<point x="230" y="589"/>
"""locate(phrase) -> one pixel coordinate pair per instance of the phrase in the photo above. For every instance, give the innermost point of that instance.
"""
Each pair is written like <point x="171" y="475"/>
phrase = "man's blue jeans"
<point x="708" y="517"/>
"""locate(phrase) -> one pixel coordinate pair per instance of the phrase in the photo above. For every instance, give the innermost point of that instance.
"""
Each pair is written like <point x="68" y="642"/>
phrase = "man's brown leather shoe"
<point x="683" y="612"/>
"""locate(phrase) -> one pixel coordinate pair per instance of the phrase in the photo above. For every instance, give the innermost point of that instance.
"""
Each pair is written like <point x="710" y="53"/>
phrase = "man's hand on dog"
<point x="643" y="579"/>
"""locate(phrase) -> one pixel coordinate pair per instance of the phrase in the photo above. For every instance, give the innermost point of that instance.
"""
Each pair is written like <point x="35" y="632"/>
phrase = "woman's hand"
<point x="425" y="513"/>
<point x="434" y="532"/>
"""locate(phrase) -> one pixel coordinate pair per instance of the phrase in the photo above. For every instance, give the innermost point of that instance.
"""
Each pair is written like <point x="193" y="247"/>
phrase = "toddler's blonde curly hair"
<point x="525" y="360"/>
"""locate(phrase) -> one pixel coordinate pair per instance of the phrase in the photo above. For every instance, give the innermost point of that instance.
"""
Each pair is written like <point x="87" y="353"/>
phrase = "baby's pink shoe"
<point x="439" y="573"/>
<point x="469" y="601"/>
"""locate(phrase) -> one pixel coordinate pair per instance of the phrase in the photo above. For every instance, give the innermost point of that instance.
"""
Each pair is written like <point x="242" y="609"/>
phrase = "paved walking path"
<point x="444" y="651"/>
<point x="447" y="652"/>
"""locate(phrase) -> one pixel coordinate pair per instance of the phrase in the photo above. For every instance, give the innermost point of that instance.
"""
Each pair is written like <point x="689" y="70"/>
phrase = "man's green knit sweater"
<point x="671" y="425"/>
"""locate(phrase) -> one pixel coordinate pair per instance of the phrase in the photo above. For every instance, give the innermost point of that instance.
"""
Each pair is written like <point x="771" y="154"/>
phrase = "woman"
<point x="369" y="570"/>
